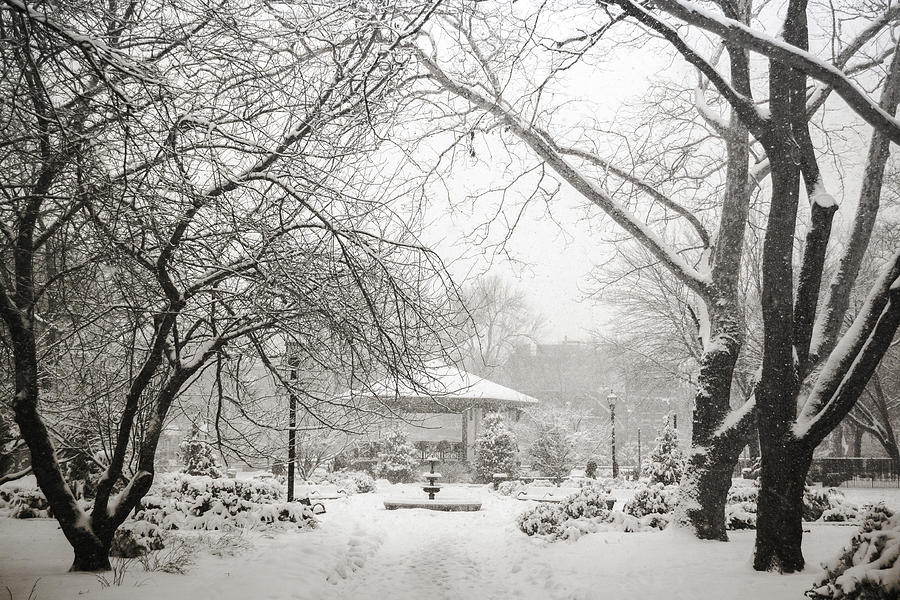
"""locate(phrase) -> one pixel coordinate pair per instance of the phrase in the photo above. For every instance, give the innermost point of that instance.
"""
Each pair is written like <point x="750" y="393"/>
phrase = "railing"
<point x="847" y="471"/>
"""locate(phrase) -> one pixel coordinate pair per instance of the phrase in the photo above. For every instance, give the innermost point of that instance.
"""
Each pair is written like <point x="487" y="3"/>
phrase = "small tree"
<point x="198" y="456"/>
<point x="666" y="462"/>
<point x="553" y="451"/>
<point x="495" y="449"/>
<point x="397" y="458"/>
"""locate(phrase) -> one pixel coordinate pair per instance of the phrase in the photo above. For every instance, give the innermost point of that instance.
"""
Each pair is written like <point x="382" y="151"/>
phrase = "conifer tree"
<point x="397" y="458"/>
<point x="198" y="456"/>
<point x="666" y="462"/>
<point x="495" y="449"/>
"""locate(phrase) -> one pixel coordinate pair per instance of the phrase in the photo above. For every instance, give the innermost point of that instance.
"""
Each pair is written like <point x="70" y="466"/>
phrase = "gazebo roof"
<point x="448" y="389"/>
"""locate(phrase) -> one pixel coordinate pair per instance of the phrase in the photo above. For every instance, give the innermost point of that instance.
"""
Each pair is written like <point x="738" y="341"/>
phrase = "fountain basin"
<point x="443" y="504"/>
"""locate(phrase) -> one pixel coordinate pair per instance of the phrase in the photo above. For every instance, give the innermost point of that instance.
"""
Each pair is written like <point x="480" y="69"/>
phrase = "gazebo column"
<point x="471" y="418"/>
<point x="465" y="435"/>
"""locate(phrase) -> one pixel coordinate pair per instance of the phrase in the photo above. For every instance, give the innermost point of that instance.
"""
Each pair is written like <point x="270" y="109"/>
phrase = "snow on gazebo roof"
<point x="446" y="388"/>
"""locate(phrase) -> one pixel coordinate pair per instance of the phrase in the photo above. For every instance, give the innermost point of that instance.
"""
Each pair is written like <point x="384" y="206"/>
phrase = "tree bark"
<point x="779" y="529"/>
<point x="703" y="490"/>
<point x="91" y="554"/>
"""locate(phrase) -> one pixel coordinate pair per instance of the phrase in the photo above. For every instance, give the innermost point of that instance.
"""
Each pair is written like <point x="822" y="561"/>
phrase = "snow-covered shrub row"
<point x="354" y="482"/>
<point x="818" y="504"/>
<point x="656" y="499"/>
<point x="869" y="568"/>
<point x="25" y="503"/>
<point x="180" y="501"/>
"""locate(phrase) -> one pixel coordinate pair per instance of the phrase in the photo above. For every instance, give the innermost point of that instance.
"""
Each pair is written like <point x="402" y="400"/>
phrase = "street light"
<point x="611" y="399"/>
<point x="291" y="354"/>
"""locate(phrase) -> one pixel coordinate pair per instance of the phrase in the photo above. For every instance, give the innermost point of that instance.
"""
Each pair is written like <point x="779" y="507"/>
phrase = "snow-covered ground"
<point x="361" y="551"/>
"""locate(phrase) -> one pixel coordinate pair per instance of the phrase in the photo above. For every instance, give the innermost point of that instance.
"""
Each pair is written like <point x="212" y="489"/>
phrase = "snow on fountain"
<point x="445" y="504"/>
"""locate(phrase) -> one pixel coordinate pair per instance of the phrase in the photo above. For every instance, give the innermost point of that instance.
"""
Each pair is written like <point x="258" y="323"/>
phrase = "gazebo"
<point x="448" y="404"/>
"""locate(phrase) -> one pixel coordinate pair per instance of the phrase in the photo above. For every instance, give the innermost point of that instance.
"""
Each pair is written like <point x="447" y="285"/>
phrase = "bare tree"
<point x="208" y="168"/>
<point x="805" y="358"/>
<point x="497" y="318"/>
<point x="502" y="79"/>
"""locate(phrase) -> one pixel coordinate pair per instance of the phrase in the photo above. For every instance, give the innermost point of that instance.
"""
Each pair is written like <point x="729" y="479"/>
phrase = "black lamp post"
<point x="291" y="353"/>
<point x="611" y="399"/>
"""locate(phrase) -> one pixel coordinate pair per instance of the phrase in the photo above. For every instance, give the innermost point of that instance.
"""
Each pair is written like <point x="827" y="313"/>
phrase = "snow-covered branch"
<point x="854" y="359"/>
<point x="737" y="33"/>
<point x="544" y="148"/>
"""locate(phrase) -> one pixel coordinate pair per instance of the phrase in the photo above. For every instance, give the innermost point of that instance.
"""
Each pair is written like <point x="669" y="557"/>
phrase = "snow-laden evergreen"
<point x="553" y="451"/>
<point x="666" y="462"/>
<point x="495" y="449"/>
<point x="397" y="459"/>
<point x="198" y="456"/>
<point x="869" y="568"/>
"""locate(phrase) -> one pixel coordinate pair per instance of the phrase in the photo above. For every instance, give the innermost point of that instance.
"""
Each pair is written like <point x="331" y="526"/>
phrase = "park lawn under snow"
<point x="360" y="550"/>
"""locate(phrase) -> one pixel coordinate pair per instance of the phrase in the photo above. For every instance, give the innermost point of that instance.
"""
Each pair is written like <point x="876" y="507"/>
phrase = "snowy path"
<point x="423" y="554"/>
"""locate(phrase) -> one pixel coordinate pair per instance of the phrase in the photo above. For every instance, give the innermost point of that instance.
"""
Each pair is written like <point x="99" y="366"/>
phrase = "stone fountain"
<point x="445" y="504"/>
<point x="432" y="488"/>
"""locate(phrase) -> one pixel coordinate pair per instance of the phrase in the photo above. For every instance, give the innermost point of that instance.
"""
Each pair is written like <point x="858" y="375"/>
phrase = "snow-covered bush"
<point x="198" y="456"/>
<point x="589" y="502"/>
<point x="495" y="449"/>
<point x="740" y="508"/>
<point x="511" y="488"/>
<point x="743" y="492"/>
<point x="869" y="568"/>
<point x="665" y="464"/>
<point x="583" y="512"/>
<point x="841" y="513"/>
<point x="26" y="503"/>
<point x="590" y="470"/>
<point x="655" y="499"/>
<point x="136" y="538"/>
<point x="543" y="519"/>
<point x="817" y="500"/>
<point x="354" y="482"/>
<point x="397" y="459"/>
<point x="180" y="501"/>
<point x="740" y="516"/>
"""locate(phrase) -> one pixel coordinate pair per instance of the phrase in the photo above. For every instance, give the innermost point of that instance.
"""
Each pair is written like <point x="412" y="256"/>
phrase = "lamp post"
<point x="639" y="450"/>
<point x="611" y="400"/>
<point x="291" y="352"/>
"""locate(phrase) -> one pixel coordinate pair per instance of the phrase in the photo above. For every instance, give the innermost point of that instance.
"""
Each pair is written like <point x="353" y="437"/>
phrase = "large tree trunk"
<point x="704" y="488"/>
<point x="91" y="554"/>
<point x="779" y="530"/>
<point x="707" y="475"/>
